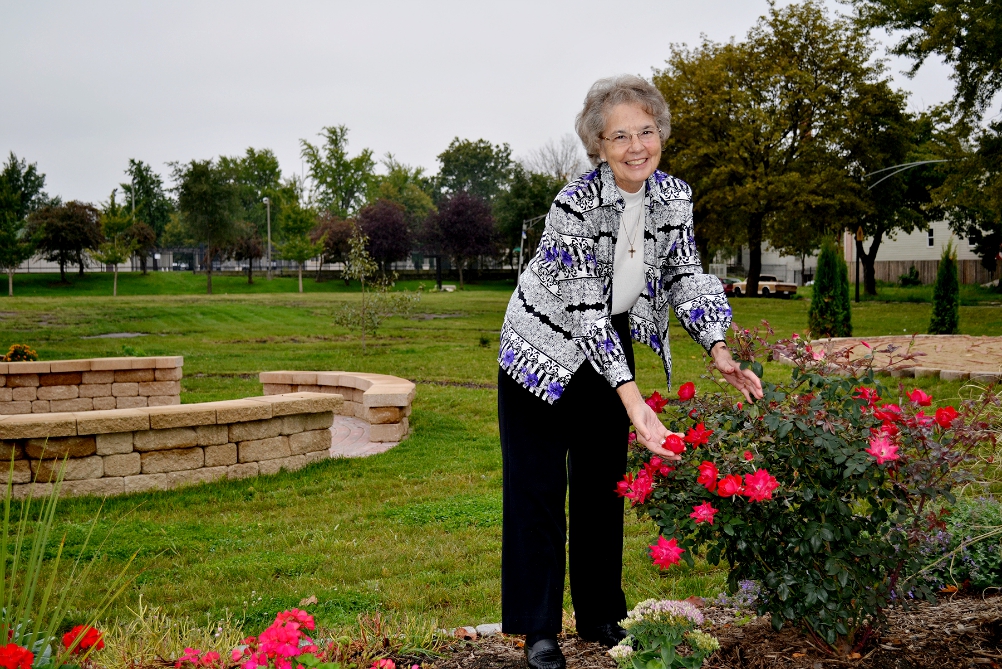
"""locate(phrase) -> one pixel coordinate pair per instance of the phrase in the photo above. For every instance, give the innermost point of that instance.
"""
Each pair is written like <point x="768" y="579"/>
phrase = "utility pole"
<point x="267" y="204"/>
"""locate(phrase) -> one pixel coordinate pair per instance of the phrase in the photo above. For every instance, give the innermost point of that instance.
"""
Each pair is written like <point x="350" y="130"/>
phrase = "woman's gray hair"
<point x="606" y="94"/>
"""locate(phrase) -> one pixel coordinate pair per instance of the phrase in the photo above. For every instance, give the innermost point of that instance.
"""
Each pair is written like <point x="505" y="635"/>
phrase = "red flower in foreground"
<point x="89" y="638"/>
<point x="656" y="402"/>
<point x="666" y="553"/>
<point x="674" y="444"/>
<point x="687" y="391"/>
<point x="882" y="449"/>
<point x="698" y="435"/>
<point x="759" y="486"/>
<point x="636" y="489"/>
<point x="730" y="486"/>
<point x="945" y="416"/>
<point x="888" y="413"/>
<point x="13" y="656"/>
<point x="703" y="513"/>
<point x="920" y="398"/>
<point x="708" y="475"/>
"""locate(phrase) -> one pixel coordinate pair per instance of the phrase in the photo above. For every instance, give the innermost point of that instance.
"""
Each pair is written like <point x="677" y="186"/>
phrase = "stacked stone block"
<point x="383" y="401"/>
<point x="156" y="448"/>
<point x="97" y="384"/>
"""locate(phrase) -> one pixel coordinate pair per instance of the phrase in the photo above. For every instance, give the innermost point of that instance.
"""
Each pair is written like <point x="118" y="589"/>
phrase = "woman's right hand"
<point x="651" y="432"/>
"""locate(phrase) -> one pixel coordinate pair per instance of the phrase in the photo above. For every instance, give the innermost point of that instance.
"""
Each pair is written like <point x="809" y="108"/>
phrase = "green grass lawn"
<point x="413" y="531"/>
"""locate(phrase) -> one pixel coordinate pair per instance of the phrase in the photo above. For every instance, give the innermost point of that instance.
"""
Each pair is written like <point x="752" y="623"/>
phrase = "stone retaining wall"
<point x="382" y="400"/>
<point x="97" y="384"/>
<point x="156" y="448"/>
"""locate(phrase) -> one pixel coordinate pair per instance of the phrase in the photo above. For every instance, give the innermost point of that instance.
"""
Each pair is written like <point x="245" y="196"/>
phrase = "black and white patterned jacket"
<point x="560" y="313"/>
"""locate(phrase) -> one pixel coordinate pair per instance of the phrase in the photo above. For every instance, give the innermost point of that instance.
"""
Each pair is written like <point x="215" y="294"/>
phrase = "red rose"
<point x="730" y="486"/>
<point x="687" y="391"/>
<point x="674" y="444"/>
<point x="945" y="416"/>
<point x="708" y="475"/>
<point x="698" y="435"/>
<point x="749" y="456"/>
<point x="759" y="486"/>
<point x="656" y="402"/>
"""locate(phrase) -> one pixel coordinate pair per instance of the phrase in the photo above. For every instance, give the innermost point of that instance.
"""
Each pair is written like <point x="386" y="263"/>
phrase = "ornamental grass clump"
<point x="664" y="634"/>
<point x="822" y="491"/>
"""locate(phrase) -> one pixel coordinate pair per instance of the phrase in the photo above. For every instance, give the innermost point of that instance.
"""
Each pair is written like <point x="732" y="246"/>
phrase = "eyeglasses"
<point x="647" y="137"/>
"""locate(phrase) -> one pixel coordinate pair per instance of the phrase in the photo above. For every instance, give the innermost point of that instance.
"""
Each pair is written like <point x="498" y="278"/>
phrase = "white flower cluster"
<point x="620" y="652"/>
<point x="662" y="610"/>
<point x="700" y="640"/>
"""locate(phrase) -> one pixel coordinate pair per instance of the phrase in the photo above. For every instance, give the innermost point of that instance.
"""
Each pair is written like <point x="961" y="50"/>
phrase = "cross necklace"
<point x="635" y="229"/>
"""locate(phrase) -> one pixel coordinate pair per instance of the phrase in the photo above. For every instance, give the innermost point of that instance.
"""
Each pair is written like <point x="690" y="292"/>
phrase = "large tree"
<point x="407" y="186"/>
<point x="529" y="195"/>
<point x="476" y="167"/>
<point x="335" y="234"/>
<point x="463" y="229"/>
<point x="65" y="233"/>
<point x="384" y="223"/>
<point x="257" y="175"/>
<point x="208" y="202"/>
<point x="967" y="34"/>
<point x="339" y="183"/>
<point x="760" y="126"/>
<point x="153" y="206"/>
<point x="21" y="193"/>
<point x="297" y="223"/>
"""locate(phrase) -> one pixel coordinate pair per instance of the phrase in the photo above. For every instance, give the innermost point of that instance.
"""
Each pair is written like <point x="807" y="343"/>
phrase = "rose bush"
<point x="822" y="491"/>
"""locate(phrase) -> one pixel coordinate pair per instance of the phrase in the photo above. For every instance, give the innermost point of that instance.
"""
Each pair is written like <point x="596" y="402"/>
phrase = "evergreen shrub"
<point x="946" y="295"/>
<point x="830" y="313"/>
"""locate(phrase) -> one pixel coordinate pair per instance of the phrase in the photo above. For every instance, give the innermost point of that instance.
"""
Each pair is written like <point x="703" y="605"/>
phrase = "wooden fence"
<point x="968" y="271"/>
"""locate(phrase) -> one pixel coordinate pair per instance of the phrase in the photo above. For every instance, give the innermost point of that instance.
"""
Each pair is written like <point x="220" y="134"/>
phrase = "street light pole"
<point x="267" y="204"/>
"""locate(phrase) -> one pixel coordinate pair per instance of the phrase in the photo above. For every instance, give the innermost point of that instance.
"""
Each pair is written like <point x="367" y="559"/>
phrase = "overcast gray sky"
<point x="88" y="85"/>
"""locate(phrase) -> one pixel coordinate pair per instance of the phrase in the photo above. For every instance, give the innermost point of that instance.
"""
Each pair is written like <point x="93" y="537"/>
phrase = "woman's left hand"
<point x="744" y="380"/>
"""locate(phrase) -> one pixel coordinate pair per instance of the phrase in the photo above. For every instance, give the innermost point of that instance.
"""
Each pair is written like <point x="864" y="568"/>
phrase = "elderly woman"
<point x="617" y="256"/>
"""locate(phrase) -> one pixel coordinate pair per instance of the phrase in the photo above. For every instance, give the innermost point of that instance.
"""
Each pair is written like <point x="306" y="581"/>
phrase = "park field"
<point x="414" y="531"/>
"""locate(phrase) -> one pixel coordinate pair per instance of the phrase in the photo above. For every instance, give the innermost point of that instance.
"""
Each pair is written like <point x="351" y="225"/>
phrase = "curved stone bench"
<point x="382" y="400"/>
<point x="155" y="448"/>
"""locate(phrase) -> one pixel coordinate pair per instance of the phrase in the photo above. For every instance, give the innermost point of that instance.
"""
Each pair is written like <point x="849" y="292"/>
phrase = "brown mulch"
<point x="963" y="631"/>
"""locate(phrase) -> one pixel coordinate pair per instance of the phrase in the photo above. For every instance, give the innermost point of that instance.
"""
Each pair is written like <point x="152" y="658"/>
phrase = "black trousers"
<point x="581" y="440"/>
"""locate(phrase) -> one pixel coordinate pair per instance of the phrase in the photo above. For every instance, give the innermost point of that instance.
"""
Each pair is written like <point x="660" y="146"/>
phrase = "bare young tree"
<point x="563" y="158"/>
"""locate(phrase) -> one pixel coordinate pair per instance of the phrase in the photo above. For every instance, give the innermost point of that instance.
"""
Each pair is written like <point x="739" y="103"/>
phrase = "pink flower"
<point x="921" y="420"/>
<point x="794" y="336"/>
<point x="236" y="654"/>
<point x="882" y="449"/>
<point x="666" y="553"/>
<point x="818" y="355"/>
<point x="759" y="486"/>
<point x="945" y="416"/>
<point x="888" y="413"/>
<point x="687" y="391"/>
<point x="749" y="456"/>
<point x="698" y="435"/>
<point x="703" y="513"/>
<point x="385" y="663"/>
<point x="657" y="466"/>
<point x="920" y="398"/>
<point x="656" y="402"/>
<point x="674" y="444"/>
<point x="632" y="437"/>
<point x="864" y="343"/>
<point x="211" y="658"/>
<point x="730" y="486"/>
<point x="708" y="475"/>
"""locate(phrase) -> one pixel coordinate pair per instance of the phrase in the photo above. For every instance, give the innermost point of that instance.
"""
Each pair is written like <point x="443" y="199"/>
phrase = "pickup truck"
<point x="768" y="286"/>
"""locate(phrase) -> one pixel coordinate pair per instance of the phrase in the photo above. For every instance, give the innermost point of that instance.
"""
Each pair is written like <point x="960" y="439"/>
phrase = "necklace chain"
<point x="635" y="229"/>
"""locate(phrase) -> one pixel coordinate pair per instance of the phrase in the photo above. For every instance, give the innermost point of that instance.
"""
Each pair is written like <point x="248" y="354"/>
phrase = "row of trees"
<point x="787" y="136"/>
<point x="473" y="207"/>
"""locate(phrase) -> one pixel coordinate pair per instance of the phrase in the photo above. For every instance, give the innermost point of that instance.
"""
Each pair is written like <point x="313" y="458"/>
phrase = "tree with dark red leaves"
<point x="463" y="229"/>
<point x="385" y="224"/>
<point x="336" y="232"/>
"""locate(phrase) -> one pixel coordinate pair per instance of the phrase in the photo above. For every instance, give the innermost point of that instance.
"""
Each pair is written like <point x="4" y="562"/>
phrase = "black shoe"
<point x="545" y="654"/>
<point x="609" y="634"/>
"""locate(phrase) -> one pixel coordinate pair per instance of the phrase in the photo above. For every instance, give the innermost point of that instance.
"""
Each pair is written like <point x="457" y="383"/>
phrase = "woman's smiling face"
<point x="635" y="159"/>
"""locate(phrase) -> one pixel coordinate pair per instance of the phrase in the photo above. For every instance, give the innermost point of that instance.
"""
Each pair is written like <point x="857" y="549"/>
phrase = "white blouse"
<point x="627" y="268"/>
